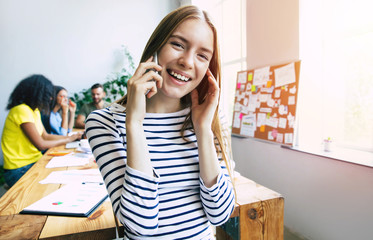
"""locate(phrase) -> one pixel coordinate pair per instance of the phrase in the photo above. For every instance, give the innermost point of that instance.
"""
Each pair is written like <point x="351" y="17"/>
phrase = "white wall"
<point x="325" y="199"/>
<point x="73" y="43"/>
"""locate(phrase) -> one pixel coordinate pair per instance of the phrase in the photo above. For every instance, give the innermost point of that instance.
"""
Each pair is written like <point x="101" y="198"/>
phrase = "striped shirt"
<point x="172" y="204"/>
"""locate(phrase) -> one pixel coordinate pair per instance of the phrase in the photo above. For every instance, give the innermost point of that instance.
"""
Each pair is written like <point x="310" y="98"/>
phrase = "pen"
<point x="99" y="183"/>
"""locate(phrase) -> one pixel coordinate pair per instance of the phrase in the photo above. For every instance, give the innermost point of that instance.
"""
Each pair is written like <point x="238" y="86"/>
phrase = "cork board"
<point x="265" y="103"/>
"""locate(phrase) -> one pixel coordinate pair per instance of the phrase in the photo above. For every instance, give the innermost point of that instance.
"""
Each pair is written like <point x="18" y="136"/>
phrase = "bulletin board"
<point x="265" y="103"/>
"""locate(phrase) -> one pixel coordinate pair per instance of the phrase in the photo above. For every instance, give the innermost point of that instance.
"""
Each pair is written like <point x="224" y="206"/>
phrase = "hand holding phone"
<point x="155" y="59"/>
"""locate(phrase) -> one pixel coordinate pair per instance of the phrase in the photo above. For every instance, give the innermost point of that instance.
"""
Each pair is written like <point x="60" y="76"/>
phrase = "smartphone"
<point x="155" y="59"/>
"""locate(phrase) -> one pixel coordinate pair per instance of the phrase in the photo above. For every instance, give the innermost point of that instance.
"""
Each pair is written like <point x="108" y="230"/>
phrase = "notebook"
<point x="77" y="200"/>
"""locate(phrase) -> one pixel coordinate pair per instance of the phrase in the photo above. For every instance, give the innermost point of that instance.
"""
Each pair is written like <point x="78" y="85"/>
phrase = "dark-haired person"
<point x="24" y="136"/>
<point x="98" y="94"/>
<point x="60" y="121"/>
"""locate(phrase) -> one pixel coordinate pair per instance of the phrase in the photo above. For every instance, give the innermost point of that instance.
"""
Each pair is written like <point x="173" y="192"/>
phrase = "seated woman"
<point x="24" y="136"/>
<point x="60" y="121"/>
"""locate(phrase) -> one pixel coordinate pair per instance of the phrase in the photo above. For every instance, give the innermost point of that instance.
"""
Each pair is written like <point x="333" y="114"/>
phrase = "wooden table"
<point x="259" y="211"/>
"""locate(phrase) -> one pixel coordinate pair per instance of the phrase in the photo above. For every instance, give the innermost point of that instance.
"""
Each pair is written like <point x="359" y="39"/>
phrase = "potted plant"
<point x="115" y="85"/>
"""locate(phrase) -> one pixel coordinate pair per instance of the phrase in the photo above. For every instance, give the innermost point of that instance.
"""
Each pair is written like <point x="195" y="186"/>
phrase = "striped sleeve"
<point x="219" y="200"/>
<point x="133" y="194"/>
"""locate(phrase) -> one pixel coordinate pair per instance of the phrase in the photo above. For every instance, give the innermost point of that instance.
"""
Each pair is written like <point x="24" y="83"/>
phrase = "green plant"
<point x="115" y="85"/>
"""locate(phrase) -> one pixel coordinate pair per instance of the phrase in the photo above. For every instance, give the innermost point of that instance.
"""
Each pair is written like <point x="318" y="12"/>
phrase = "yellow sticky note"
<point x="269" y="84"/>
<point x="250" y="77"/>
<point x="253" y="88"/>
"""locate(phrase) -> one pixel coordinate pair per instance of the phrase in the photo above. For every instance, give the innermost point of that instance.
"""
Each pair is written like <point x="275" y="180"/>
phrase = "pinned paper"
<point x="265" y="110"/>
<point x="277" y="93"/>
<point x="248" y="125"/>
<point x="270" y="137"/>
<point x="280" y="138"/>
<point x="248" y="87"/>
<point x="272" y="122"/>
<point x="288" y="138"/>
<point x="236" y="120"/>
<point x="264" y="97"/>
<point x="285" y="75"/>
<point x="241" y="78"/>
<point x="283" y="110"/>
<point x="270" y="102"/>
<point x="261" y="76"/>
<point x="293" y="90"/>
<point x="261" y="119"/>
<point x="237" y="107"/>
<point x="242" y="87"/>
<point x="291" y="120"/>
<point x="291" y="100"/>
<point x="282" y="123"/>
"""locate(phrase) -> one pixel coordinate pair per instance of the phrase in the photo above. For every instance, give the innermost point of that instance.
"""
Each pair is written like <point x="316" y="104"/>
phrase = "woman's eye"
<point x="204" y="57"/>
<point x="176" y="44"/>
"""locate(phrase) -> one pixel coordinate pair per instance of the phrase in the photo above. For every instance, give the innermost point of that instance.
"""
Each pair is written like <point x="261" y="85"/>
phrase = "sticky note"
<point x="269" y="84"/>
<point x="238" y="85"/>
<point x="253" y="88"/>
<point x="262" y="128"/>
<point x="250" y="77"/>
<point x="241" y="115"/>
<point x="274" y="133"/>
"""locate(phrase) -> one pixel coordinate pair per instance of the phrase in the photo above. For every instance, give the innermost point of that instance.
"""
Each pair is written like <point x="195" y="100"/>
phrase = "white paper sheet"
<point x="69" y="160"/>
<point x="285" y="75"/>
<point x="73" y="176"/>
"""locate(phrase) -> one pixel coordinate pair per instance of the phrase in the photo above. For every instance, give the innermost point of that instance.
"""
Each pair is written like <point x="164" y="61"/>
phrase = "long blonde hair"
<point x="159" y="38"/>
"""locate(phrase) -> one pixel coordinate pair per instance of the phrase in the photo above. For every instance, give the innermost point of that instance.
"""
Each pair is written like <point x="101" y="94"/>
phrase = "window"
<point x="336" y="83"/>
<point x="229" y="17"/>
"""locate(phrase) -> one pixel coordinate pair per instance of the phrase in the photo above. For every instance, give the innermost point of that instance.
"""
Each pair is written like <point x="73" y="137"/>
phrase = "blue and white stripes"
<point x="171" y="204"/>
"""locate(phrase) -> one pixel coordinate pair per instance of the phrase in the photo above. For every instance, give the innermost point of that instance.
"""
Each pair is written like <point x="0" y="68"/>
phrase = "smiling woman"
<point x="162" y="149"/>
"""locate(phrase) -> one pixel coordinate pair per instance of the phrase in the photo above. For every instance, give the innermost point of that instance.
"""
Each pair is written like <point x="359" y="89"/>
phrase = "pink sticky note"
<point x="241" y="115"/>
<point x="238" y="85"/>
<point x="274" y="133"/>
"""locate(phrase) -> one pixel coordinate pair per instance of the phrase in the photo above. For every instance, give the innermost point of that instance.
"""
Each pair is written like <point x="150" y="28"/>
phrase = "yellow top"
<point x="17" y="149"/>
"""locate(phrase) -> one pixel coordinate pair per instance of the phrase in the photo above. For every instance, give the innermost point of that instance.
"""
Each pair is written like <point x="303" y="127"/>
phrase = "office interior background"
<point x="327" y="195"/>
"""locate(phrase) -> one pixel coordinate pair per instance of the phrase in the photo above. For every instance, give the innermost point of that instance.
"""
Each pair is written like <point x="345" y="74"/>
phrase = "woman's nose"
<point x="186" y="60"/>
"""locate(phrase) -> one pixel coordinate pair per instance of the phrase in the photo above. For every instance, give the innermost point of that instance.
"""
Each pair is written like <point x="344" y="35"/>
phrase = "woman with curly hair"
<point x="24" y="136"/>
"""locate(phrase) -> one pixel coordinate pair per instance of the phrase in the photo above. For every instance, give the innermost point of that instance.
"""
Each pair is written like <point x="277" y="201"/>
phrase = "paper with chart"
<point x="70" y="200"/>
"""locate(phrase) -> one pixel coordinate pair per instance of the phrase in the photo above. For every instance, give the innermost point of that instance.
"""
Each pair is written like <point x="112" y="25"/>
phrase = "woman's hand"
<point x="143" y="83"/>
<point x="72" y="106"/>
<point x="203" y="114"/>
<point x="64" y="107"/>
